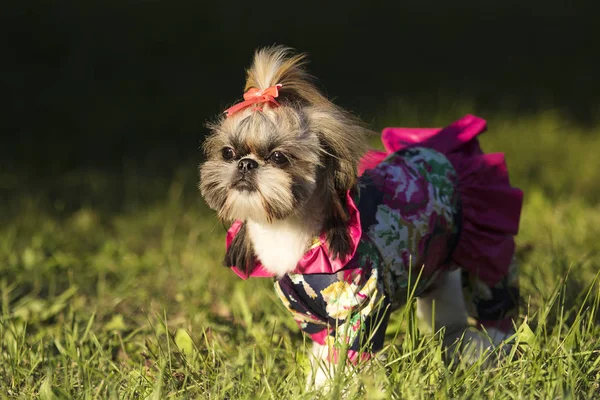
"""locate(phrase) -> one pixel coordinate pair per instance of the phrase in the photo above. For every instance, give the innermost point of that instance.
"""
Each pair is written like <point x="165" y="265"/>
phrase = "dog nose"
<point x="247" y="164"/>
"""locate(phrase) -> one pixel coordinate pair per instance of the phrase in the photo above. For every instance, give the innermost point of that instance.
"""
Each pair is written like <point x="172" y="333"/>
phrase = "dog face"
<point x="261" y="165"/>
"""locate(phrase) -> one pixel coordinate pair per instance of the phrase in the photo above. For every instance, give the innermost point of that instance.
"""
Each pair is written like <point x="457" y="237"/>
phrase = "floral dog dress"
<point x="431" y="202"/>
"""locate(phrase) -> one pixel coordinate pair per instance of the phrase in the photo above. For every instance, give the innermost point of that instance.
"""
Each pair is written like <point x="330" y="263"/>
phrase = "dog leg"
<point x="447" y="302"/>
<point x="321" y="369"/>
<point x="445" y="307"/>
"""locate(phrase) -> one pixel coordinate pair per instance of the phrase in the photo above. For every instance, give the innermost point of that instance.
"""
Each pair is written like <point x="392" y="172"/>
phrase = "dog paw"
<point x="474" y="346"/>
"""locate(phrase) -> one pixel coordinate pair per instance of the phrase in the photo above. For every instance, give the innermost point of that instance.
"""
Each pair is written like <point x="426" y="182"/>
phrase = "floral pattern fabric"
<point x="409" y="213"/>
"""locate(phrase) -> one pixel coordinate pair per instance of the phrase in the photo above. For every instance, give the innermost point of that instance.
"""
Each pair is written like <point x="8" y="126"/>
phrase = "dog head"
<point x="283" y="150"/>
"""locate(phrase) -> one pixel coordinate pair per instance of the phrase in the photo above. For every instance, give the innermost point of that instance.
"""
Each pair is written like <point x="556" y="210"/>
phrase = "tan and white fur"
<point x="285" y="171"/>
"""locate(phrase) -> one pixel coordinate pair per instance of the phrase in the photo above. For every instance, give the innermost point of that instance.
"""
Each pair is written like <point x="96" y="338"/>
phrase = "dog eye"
<point x="278" y="158"/>
<point x="228" y="153"/>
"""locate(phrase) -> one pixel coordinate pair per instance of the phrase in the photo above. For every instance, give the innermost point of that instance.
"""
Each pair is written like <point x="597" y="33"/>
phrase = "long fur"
<point x="240" y="252"/>
<point x="281" y="243"/>
<point x="278" y="65"/>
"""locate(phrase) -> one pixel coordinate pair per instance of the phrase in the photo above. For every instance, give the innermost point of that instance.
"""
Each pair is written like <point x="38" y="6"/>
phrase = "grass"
<point x="111" y="287"/>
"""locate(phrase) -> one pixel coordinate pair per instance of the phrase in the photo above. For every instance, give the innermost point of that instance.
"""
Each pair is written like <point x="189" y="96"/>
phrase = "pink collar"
<point x="316" y="260"/>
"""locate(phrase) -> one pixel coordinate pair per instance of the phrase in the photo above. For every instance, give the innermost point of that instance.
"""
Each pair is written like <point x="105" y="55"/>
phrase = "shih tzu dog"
<point x="346" y="233"/>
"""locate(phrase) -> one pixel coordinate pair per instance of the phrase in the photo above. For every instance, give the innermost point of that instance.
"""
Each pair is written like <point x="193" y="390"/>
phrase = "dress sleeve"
<point x="343" y="310"/>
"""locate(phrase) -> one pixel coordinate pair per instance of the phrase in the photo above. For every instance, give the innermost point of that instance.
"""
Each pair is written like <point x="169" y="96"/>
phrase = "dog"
<point x="348" y="233"/>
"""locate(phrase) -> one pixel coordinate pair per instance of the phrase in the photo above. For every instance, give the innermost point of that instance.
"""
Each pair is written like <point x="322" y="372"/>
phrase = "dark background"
<point x="106" y="84"/>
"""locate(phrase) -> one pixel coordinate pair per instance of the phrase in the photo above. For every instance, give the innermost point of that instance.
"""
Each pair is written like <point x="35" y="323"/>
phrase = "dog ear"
<point x="240" y="252"/>
<point x="342" y="140"/>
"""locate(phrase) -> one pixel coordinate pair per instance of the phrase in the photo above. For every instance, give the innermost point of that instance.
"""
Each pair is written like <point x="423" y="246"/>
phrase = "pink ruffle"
<point x="316" y="260"/>
<point x="491" y="208"/>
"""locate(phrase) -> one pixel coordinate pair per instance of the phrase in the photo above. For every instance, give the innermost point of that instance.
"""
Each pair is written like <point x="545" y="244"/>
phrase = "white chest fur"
<point x="281" y="244"/>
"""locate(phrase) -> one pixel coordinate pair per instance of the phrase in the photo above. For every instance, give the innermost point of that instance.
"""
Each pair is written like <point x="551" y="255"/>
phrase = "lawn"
<point x="111" y="286"/>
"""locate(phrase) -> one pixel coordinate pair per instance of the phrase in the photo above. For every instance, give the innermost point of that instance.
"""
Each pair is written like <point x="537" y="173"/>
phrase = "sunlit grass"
<point x="121" y="293"/>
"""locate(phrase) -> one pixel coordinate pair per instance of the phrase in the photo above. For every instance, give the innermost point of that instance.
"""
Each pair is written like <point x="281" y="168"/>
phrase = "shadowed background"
<point x="107" y="84"/>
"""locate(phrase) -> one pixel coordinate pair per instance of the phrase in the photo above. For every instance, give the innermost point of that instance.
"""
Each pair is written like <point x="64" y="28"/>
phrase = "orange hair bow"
<point x="256" y="96"/>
